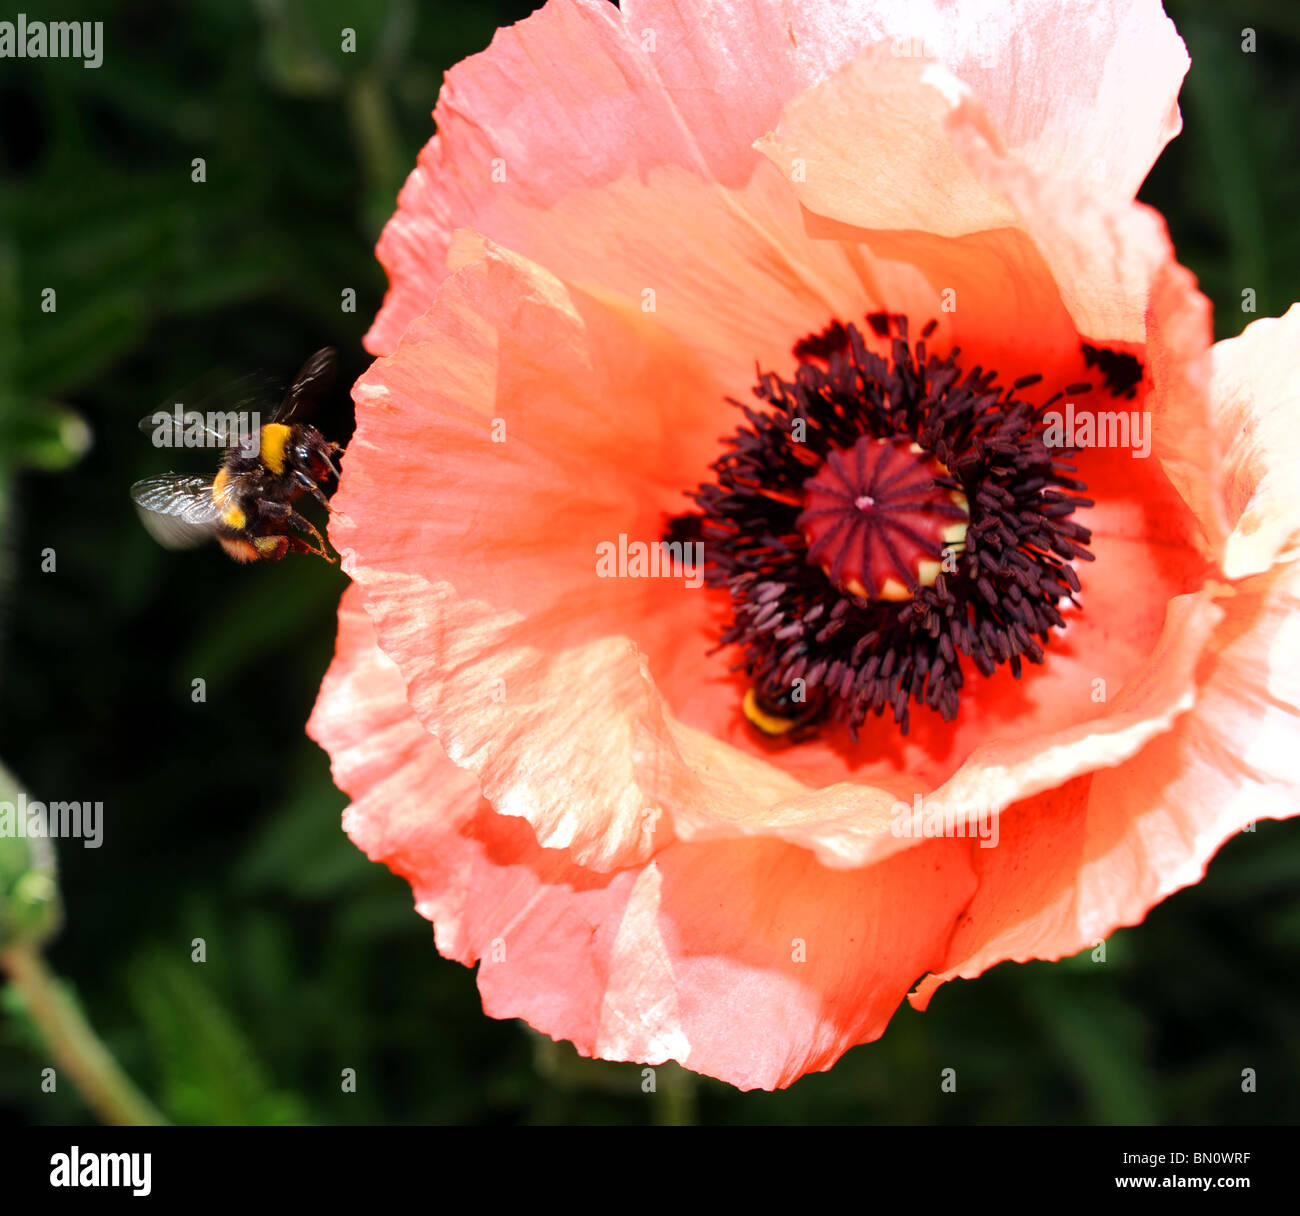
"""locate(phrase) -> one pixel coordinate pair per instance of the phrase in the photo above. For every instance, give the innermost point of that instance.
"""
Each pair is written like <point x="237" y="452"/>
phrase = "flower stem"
<point x="74" y="1045"/>
<point x="677" y="1089"/>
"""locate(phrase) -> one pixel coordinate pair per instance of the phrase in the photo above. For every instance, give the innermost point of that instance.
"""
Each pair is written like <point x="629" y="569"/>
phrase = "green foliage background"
<point x="222" y="821"/>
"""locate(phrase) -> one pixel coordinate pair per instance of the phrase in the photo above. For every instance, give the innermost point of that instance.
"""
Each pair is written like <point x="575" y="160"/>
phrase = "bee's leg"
<point x="298" y="545"/>
<point x="311" y="487"/>
<point x="284" y="513"/>
<point x="273" y="548"/>
<point x="306" y="526"/>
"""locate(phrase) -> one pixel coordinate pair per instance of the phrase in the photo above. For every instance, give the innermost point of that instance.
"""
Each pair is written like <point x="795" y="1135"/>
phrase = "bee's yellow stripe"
<point x="275" y="443"/>
<point x="767" y="723"/>
<point x="231" y="516"/>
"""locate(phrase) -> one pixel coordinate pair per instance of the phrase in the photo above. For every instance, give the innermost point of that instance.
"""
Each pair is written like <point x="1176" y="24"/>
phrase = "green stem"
<point x="372" y="128"/>
<point x="74" y="1045"/>
<point x="677" y="1091"/>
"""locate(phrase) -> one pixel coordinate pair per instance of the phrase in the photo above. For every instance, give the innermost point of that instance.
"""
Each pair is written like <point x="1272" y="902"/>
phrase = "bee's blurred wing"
<point x="179" y="511"/>
<point x="224" y="414"/>
<point x="310" y="386"/>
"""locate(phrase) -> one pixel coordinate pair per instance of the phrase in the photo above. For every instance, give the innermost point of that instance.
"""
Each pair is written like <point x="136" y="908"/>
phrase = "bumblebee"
<point x="248" y="506"/>
<point x="780" y="716"/>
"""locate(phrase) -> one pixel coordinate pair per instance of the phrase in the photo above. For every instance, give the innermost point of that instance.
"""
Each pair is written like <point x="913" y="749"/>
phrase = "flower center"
<point x="877" y="519"/>
<point x="885" y="523"/>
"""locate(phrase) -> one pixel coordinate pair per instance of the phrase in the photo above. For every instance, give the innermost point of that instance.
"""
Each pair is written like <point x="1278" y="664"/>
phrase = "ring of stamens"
<point x="884" y="519"/>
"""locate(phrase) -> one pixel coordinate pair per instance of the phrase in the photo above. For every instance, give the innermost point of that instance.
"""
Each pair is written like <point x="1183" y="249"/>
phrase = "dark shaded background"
<point x="222" y="821"/>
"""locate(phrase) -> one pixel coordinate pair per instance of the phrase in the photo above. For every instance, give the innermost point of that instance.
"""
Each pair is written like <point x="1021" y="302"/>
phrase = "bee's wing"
<point x="227" y="413"/>
<point x="178" y="510"/>
<point x="168" y="430"/>
<point x="312" y="383"/>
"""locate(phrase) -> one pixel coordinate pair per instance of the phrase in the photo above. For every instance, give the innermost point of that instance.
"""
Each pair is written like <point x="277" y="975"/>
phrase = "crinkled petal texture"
<point x="622" y="213"/>
<point x="743" y="958"/>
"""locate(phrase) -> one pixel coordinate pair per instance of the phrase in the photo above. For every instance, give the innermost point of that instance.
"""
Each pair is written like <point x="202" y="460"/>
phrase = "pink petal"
<point x="756" y="980"/>
<point x="581" y="95"/>
<point x="1075" y="864"/>
<point x="1255" y="396"/>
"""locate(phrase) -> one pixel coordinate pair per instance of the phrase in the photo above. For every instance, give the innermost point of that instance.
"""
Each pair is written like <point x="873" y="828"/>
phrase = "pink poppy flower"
<point x="994" y="650"/>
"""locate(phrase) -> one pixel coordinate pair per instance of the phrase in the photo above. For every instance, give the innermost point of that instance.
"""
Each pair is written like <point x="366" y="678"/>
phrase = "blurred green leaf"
<point x="210" y="1072"/>
<point x="1100" y="1039"/>
<point x="302" y="850"/>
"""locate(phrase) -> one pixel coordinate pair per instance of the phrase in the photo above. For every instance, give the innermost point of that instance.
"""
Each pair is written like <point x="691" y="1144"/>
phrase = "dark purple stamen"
<point x="971" y="442"/>
<point x="1122" y="371"/>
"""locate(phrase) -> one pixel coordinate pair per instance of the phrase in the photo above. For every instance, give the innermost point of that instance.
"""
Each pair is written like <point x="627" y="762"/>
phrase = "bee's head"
<point x="305" y="440"/>
<point x="310" y="452"/>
